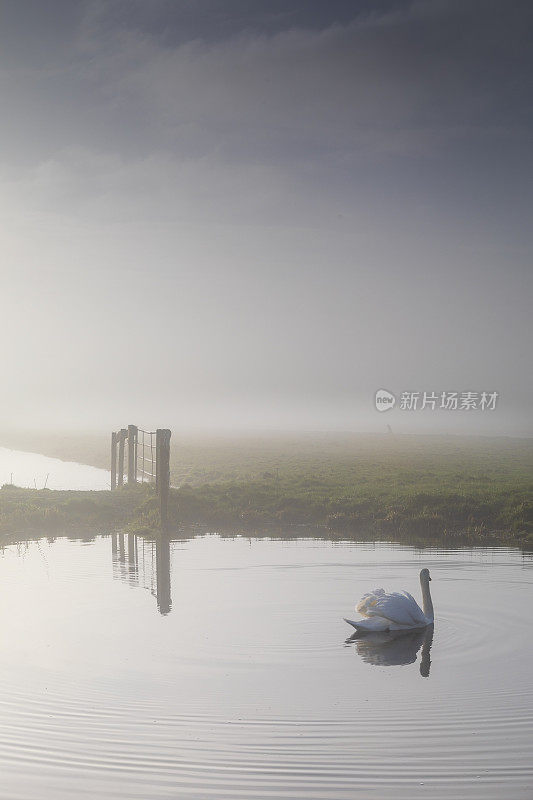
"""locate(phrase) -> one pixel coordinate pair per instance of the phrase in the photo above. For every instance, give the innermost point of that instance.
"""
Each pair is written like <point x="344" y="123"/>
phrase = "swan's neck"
<point x="427" y="605"/>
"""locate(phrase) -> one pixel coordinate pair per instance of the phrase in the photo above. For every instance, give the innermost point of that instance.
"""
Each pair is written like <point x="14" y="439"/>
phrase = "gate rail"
<point x="142" y="446"/>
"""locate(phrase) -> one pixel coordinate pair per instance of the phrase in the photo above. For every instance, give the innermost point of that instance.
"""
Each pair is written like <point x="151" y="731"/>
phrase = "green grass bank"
<point x="354" y="485"/>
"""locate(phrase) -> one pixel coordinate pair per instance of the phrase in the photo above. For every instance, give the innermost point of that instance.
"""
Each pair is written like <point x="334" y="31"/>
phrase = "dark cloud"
<point x="211" y="21"/>
<point x="328" y="193"/>
<point x="413" y="78"/>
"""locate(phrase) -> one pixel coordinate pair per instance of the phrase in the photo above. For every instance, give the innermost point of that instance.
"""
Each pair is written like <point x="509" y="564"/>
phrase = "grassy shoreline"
<point x="227" y="508"/>
<point x="351" y="485"/>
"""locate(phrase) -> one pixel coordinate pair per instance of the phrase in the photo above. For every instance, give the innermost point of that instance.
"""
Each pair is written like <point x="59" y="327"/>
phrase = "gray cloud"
<point x="324" y="198"/>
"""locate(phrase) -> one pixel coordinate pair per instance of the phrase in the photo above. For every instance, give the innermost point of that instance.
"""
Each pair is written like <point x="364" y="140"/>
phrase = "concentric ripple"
<point x="246" y="689"/>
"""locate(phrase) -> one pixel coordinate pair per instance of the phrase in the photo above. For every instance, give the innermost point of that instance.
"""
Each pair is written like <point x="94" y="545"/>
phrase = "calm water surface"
<point x="219" y="668"/>
<point x="35" y="471"/>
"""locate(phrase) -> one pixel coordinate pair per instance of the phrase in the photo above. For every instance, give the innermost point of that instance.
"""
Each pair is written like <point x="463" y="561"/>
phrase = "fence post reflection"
<point x="153" y="574"/>
<point x="133" y="563"/>
<point x="162" y="558"/>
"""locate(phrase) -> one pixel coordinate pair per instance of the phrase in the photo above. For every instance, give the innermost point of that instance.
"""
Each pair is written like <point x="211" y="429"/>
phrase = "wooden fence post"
<point x="121" y="437"/>
<point x="113" y="460"/>
<point x="163" y="471"/>
<point x="157" y="461"/>
<point x="132" y="455"/>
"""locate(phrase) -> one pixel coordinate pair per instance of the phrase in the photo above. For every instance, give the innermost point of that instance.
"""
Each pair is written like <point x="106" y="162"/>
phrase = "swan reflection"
<point x="395" y="648"/>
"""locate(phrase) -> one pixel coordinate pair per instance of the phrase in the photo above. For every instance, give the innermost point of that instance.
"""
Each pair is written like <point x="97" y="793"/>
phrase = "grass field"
<point x="400" y="486"/>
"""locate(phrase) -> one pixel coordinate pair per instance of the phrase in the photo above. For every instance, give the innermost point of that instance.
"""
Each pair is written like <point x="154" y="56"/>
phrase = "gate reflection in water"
<point x="144" y="562"/>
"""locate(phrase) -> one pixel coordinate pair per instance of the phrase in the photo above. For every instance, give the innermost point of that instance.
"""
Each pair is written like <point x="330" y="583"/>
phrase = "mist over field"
<point x="266" y="287"/>
<point x="245" y="216"/>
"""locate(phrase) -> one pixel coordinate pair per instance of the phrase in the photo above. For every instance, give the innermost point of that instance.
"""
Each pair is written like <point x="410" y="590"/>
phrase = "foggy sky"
<point x="230" y="213"/>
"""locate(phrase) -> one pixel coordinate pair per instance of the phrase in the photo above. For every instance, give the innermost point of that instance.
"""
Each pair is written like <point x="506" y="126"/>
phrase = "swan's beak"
<point x="429" y="578"/>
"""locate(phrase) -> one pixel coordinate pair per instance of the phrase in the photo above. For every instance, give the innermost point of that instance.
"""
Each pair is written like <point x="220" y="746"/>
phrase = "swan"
<point x="396" y="611"/>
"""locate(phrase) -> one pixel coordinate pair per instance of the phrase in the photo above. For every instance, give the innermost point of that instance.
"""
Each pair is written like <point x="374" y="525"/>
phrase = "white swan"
<point x="395" y="611"/>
